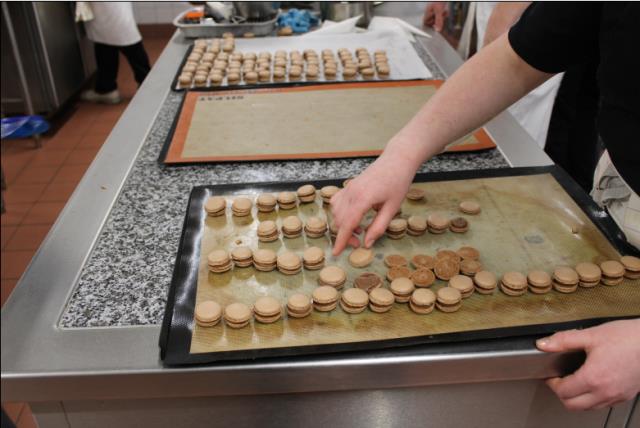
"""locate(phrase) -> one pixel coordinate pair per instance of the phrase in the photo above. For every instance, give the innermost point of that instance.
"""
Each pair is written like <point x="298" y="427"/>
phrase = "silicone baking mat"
<point x="532" y="218"/>
<point x="305" y="122"/>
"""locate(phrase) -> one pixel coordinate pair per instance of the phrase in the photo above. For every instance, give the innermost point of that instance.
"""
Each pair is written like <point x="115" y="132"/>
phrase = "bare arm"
<point x="483" y="87"/>
<point x="502" y="18"/>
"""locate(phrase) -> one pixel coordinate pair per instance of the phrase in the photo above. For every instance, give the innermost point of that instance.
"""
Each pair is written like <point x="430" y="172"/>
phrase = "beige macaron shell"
<point x="299" y="302"/>
<point x="292" y="223"/>
<point x="565" y="275"/>
<point x="381" y="297"/>
<point x="423" y="297"/>
<point x="325" y="294"/>
<point x="242" y="204"/>
<point x="266" y="199"/>
<point x="286" y="197"/>
<point x="397" y="225"/>
<point x="329" y="191"/>
<point x="264" y="255"/>
<point x="306" y="190"/>
<point x="462" y="283"/>
<point x="514" y="280"/>
<point x="588" y="272"/>
<point x="267" y="227"/>
<point x="449" y="296"/>
<point x="485" y="279"/>
<point x="469" y="207"/>
<point x="631" y="263"/>
<point x="313" y="255"/>
<point x="539" y="278"/>
<point x="237" y="313"/>
<point x="355" y="297"/>
<point x="332" y="275"/>
<point x="218" y="257"/>
<point x="361" y="257"/>
<point x="208" y="312"/>
<point x="215" y="204"/>
<point x="241" y="253"/>
<point x="417" y="222"/>
<point x="288" y="260"/>
<point x="612" y="268"/>
<point x="267" y="306"/>
<point x="438" y="221"/>
<point x="402" y="286"/>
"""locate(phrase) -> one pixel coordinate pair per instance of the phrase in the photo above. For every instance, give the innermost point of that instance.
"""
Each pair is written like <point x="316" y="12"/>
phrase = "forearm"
<point x="502" y="18"/>
<point x="484" y="86"/>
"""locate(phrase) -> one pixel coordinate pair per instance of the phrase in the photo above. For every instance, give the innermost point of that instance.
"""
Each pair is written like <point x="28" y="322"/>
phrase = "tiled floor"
<point x="40" y="181"/>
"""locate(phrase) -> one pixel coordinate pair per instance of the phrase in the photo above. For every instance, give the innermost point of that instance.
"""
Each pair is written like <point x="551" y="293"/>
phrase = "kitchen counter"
<point x="83" y="323"/>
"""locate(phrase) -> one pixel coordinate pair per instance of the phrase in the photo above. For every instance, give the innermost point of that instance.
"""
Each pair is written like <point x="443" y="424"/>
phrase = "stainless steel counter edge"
<point x="38" y="358"/>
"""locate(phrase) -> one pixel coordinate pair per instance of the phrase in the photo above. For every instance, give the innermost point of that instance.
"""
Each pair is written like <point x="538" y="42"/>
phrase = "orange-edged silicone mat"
<point x="303" y="122"/>
<point x="532" y="218"/>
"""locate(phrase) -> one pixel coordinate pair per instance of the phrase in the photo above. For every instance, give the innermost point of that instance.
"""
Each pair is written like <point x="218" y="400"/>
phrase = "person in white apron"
<point x="112" y="28"/>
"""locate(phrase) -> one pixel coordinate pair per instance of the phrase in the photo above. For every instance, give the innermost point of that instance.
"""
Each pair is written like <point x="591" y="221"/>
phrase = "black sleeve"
<point x="552" y="36"/>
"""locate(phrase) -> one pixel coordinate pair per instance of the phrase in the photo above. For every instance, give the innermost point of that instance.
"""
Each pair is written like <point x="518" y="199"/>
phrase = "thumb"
<point x="379" y="224"/>
<point x="570" y="340"/>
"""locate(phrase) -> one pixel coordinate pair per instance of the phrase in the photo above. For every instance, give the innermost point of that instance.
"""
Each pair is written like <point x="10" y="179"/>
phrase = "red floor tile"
<point x="23" y="193"/>
<point x="14" y="163"/>
<point x="15" y="213"/>
<point x="28" y="237"/>
<point x="7" y="287"/>
<point x="81" y="156"/>
<point x="58" y="191"/>
<point x="43" y="213"/>
<point x="14" y="263"/>
<point x="13" y="410"/>
<point x="26" y="419"/>
<point x="71" y="173"/>
<point x="7" y="233"/>
<point x="101" y="127"/>
<point x="50" y="157"/>
<point x="36" y="174"/>
<point x="92" y="141"/>
<point x="64" y="141"/>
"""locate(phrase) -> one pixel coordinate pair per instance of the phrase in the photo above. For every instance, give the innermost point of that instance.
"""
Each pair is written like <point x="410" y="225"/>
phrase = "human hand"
<point x="611" y="372"/>
<point x="435" y="14"/>
<point x="382" y="186"/>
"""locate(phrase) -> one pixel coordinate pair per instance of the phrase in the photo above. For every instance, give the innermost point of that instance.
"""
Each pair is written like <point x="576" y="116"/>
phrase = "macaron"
<point x="448" y="254"/>
<point x="539" y="281"/>
<point x="241" y="207"/>
<point x="422" y="301"/>
<point x="437" y="223"/>
<point x="381" y="300"/>
<point x="396" y="272"/>
<point x="565" y="279"/>
<point x="267" y="310"/>
<point x="458" y="225"/>
<point x="289" y="263"/>
<point x="367" y="281"/>
<point x="397" y="228"/>
<point x="446" y="268"/>
<point x="237" y="315"/>
<point x="291" y="227"/>
<point x="361" y="257"/>
<point x="402" y="289"/>
<point x="286" y="200"/>
<point x="251" y="77"/>
<point x="325" y="298"/>
<point x="422" y="277"/>
<point x="327" y="192"/>
<point x="589" y="273"/>
<point x="416" y="225"/>
<point x="485" y="282"/>
<point x="448" y="299"/>
<point x="313" y="258"/>
<point x="315" y="227"/>
<point x="415" y="194"/>
<point x="394" y="260"/>
<point x="632" y="266"/>
<point x="208" y="313"/>
<point x="307" y="193"/>
<point x="242" y="256"/>
<point x="612" y="272"/>
<point x="264" y="259"/>
<point x="470" y="207"/>
<point x="468" y="253"/>
<point x="463" y="284"/>
<point x="423" y="261"/>
<point x="470" y="267"/>
<point x="299" y="306"/>
<point x="354" y="300"/>
<point x="266" y="202"/>
<point x="215" y="206"/>
<point x="268" y="231"/>
<point x="513" y="284"/>
<point x="219" y="261"/>
<point x="333" y="276"/>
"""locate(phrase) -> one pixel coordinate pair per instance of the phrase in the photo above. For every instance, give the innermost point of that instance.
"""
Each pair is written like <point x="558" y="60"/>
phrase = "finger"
<point x="582" y="402"/>
<point x="379" y="225"/>
<point x="345" y="230"/>
<point x="357" y="230"/>
<point x="439" y="22"/>
<point x="354" y="241"/>
<point x="428" y="16"/>
<point x="569" y="340"/>
<point x="569" y="386"/>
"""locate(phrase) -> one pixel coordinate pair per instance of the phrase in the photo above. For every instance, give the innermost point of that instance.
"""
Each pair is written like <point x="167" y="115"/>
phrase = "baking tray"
<point x="532" y="218"/>
<point x="312" y="122"/>
<point x="214" y="29"/>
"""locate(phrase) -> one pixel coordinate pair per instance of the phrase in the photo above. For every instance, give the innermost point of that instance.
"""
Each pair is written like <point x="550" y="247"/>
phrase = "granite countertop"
<point x="127" y="276"/>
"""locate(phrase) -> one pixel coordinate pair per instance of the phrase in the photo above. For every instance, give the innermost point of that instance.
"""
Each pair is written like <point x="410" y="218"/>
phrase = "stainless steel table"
<point x="112" y="376"/>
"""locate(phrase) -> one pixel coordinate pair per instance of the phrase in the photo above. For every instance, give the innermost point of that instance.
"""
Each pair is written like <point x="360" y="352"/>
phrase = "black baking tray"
<point x="175" y="336"/>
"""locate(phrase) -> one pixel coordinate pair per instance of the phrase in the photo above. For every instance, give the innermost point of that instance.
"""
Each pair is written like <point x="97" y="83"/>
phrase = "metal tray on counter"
<point x="213" y="29"/>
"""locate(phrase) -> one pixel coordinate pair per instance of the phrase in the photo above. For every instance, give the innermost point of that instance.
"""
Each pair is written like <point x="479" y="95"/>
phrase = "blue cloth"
<point x="23" y="126"/>
<point x="300" y="21"/>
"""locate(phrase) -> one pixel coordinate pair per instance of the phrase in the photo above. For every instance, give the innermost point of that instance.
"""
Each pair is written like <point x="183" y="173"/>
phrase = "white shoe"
<point x="112" y="97"/>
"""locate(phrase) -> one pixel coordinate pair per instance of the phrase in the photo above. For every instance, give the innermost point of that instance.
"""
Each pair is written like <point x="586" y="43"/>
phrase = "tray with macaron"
<point x="471" y="255"/>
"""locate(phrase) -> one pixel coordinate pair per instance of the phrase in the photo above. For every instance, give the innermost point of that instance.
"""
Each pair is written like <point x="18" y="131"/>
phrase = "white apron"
<point x="112" y="24"/>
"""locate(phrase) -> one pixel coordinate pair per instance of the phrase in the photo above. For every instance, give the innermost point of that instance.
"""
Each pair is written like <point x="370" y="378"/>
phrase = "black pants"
<point x="107" y="59"/>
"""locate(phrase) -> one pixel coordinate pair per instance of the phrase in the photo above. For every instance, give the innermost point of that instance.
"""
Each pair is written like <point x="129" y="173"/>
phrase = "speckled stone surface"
<point x="127" y="276"/>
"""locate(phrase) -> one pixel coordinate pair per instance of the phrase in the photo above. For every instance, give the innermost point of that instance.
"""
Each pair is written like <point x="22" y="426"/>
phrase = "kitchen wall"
<point x="158" y="12"/>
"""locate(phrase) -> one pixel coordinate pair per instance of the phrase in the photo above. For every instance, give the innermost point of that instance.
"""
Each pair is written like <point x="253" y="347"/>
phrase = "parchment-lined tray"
<point x="311" y="122"/>
<point x="531" y="218"/>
